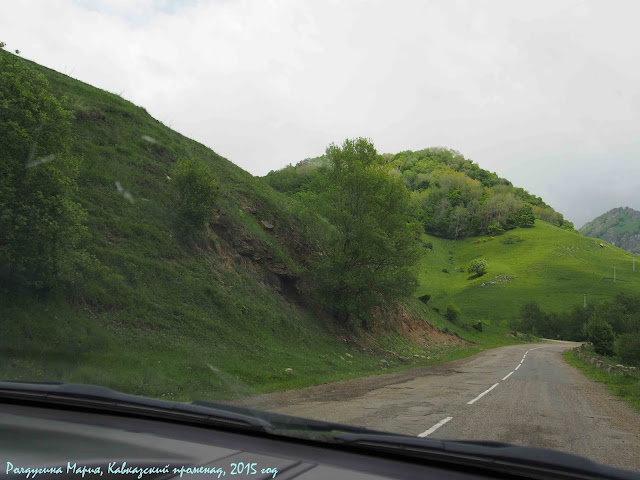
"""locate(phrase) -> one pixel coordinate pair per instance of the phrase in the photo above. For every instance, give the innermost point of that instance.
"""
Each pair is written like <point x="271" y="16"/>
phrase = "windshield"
<point x="419" y="218"/>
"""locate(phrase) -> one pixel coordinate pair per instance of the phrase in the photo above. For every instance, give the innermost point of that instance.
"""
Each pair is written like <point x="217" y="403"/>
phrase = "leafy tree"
<point x="621" y="312"/>
<point x="531" y="318"/>
<point x="290" y="180"/>
<point x="525" y="216"/>
<point x="567" y="225"/>
<point x="478" y="267"/>
<point x="500" y="204"/>
<point x="459" y="221"/>
<point x="41" y="225"/>
<point x="572" y="322"/>
<point x="628" y="348"/>
<point x="601" y="335"/>
<point x="495" y="229"/>
<point x="197" y="191"/>
<point x="369" y="244"/>
<point x="549" y="215"/>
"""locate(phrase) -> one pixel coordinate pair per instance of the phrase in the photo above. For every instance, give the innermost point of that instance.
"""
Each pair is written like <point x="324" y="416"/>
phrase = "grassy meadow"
<point x="546" y="264"/>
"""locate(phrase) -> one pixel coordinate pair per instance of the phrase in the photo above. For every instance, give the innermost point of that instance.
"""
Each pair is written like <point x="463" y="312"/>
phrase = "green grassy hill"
<point x="215" y="319"/>
<point x="226" y="315"/>
<point x="547" y="264"/>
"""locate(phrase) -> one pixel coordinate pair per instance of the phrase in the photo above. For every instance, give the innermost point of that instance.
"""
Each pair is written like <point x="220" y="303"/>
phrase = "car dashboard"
<point x="46" y="439"/>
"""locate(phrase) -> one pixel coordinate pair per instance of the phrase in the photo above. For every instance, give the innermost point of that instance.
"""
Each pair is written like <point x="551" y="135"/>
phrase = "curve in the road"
<point x="428" y="432"/>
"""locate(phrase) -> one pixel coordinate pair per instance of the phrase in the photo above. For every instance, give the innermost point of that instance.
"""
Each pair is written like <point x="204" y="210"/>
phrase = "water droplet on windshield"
<point x="40" y="161"/>
<point x="124" y="192"/>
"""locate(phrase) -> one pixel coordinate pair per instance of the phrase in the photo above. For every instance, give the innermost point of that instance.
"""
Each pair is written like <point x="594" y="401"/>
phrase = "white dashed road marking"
<point x="482" y="394"/>
<point x="426" y="433"/>
<point x="494" y="386"/>
<point x="435" y="427"/>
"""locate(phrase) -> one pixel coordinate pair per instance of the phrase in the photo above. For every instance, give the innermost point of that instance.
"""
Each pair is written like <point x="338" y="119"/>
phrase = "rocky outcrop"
<point x="245" y="247"/>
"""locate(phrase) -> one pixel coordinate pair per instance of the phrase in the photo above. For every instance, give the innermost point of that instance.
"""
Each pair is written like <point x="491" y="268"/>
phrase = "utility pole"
<point x="584" y="303"/>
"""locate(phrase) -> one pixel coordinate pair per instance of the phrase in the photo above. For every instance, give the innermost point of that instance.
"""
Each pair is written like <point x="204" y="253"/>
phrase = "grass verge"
<point x="627" y="388"/>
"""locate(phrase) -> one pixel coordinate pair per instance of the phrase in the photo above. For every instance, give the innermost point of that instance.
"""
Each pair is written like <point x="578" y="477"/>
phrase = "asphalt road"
<point x="524" y="394"/>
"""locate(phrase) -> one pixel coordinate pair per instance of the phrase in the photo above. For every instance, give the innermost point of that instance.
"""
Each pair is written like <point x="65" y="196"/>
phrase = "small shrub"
<point x="424" y="298"/>
<point x="452" y="313"/>
<point x="478" y="267"/>
<point x="429" y="245"/>
<point x="628" y="348"/>
<point x="511" y="239"/>
<point x="444" y="270"/>
<point x="477" y="326"/>
<point x="495" y="229"/>
<point x="600" y="333"/>
<point x="197" y="192"/>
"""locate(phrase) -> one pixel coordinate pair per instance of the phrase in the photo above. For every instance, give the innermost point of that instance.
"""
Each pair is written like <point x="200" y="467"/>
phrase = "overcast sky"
<point x="545" y="93"/>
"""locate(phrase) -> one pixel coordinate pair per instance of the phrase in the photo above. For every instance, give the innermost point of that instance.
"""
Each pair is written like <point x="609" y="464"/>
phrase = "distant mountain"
<point x="620" y="226"/>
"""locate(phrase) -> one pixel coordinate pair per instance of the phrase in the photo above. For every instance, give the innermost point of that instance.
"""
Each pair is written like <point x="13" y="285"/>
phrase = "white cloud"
<point x="530" y="89"/>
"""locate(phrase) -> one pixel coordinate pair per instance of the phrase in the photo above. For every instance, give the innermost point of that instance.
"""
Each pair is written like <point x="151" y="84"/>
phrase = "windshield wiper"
<point x="493" y="456"/>
<point x="529" y="462"/>
<point x="104" y="399"/>
<point x="201" y="412"/>
<point x="288" y="424"/>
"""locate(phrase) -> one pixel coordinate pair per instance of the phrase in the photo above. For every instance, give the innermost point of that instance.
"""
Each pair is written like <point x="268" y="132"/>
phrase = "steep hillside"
<point x="228" y="314"/>
<point x="619" y="226"/>
<point x="160" y="317"/>
<point x="547" y="264"/>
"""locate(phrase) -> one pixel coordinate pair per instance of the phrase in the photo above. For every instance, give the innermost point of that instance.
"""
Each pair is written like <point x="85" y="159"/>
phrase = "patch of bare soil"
<point x="346" y="389"/>
<point x="422" y="332"/>
<point x="397" y="321"/>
